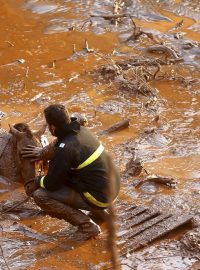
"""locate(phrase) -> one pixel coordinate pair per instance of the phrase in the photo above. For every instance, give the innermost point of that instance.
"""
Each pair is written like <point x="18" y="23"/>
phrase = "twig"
<point x="117" y="68"/>
<point x="27" y="71"/>
<point x="109" y="17"/>
<point x="177" y="25"/>
<point x="4" y="258"/>
<point x="11" y="44"/>
<point x="74" y="48"/>
<point x="86" y="47"/>
<point x="134" y="25"/>
<point x="87" y="20"/>
<point x="137" y="32"/>
<point x="157" y="71"/>
<point x="116" y="127"/>
<point x="162" y="48"/>
<point x="16" y="205"/>
<point x="145" y="170"/>
<point x="2" y="252"/>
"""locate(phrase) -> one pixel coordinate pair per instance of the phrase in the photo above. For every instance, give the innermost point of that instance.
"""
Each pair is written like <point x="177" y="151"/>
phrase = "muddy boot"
<point x="86" y="230"/>
<point x="86" y="227"/>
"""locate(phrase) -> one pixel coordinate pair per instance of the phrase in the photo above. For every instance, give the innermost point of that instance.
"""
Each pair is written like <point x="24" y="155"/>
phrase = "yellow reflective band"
<point x="42" y="182"/>
<point x="94" y="201"/>
<point x="92" y="158"/>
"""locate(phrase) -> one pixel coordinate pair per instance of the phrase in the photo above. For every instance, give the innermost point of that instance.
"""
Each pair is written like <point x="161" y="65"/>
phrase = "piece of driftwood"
<point x="147" y="62"/>
<point x="164" y="49"/>
<point x="150" y="221"/>
<point x="116" y="127"/>
<point x="134" y="212"/>
<point x="156" y="231"/>
<point x="109" y="17"/>
<point x="163" y="180"/>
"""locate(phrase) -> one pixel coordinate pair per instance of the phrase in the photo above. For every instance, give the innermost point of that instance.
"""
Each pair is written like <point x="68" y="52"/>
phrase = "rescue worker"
<point x="77" y="177"/>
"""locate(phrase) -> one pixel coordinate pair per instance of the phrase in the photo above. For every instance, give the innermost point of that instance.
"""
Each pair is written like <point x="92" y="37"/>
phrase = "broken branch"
<point x="116" y="127"/>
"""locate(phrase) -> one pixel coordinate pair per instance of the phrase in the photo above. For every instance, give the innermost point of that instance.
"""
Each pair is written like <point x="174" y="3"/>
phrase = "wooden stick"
<point x="109" y="17"/>
<point x="116" y="127"/>
<point x="16" y="205"/>
<point x="2" y="254"/>
<point x="111" y="238"/>
<point x="164" y="49"/>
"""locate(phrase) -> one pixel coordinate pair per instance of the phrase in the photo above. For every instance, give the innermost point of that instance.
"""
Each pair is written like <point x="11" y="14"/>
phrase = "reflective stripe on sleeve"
<point x="94" y="201"/>
<point x="42" y="182"/>
<point x="92" y="158"/>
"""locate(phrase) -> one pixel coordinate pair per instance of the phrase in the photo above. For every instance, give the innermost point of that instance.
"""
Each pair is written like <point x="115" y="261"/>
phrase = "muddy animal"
<point x="12" y="165"/>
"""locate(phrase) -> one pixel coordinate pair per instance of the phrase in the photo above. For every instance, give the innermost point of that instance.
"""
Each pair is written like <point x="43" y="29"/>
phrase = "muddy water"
<point x="42" y="61"/>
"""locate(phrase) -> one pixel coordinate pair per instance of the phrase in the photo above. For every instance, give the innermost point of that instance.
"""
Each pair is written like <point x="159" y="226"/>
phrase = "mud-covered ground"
<point x="72" y="52"/>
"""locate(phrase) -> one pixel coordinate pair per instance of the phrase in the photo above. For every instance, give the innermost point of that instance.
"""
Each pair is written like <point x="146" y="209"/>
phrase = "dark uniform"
<point x="81" y="163"/>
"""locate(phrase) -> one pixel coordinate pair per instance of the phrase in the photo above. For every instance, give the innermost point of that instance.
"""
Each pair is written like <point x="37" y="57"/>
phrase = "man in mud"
<point x="78" y="175"/>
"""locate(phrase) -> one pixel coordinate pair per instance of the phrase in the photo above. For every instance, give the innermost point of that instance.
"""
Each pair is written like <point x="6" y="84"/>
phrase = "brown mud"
<point x="70" y="52"/>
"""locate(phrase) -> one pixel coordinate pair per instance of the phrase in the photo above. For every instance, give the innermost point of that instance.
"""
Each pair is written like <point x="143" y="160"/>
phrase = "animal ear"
<point x="40" y="132"/>
<point x="16" y="132"/>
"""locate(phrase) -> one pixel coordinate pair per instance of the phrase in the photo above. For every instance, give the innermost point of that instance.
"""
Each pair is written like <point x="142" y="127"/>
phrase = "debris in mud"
<point x="75" y="55"/>
<point x="10" y="43"/>
<point x="15" y="62"/>
<point x="169" y="52"/>
<point x="179" y="35"/>
<point x="109" y="16"/>
<point x="112" y="107"/>
<point x="116" y="127"/>
<point x="114" y="18"/>
<point x="135" y="81"/>
<point x="117" y="7"/>
<point x="153" y="137"/>
<point x="19" y="209"/>
<point x="130" y="78"/>
<point x="81" y="53"/>
<point x="153" y="178"/>
<point x="177" y="26"/>
<point x="133" y="167"/>
<point x="137" y="32"/>
<point x="135" y="74"/>
<point x="191" y="240"/>
<point x="142" y="225"/>
<point x="2" y="114"/>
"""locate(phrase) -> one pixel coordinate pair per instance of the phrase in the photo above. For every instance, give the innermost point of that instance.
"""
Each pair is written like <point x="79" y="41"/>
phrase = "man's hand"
<point x="32" y="152"/>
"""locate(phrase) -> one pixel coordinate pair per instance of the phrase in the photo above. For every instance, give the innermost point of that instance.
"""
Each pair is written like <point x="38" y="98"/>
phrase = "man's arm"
<point x="58" y="170"/>
<point x="37" y="153"/>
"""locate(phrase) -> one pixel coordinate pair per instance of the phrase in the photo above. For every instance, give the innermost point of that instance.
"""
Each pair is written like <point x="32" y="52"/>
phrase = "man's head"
<point x="57" y="117"/>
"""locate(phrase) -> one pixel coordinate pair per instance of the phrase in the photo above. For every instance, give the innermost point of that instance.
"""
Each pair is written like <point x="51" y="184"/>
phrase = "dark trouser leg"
<point x="99" y="215"/>
<point x="64" y="204"/>
<point x="72" y="198"/>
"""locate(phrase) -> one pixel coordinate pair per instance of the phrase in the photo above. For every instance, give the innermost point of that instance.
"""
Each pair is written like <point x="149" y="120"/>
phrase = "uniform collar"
<point x="72" y="128"/>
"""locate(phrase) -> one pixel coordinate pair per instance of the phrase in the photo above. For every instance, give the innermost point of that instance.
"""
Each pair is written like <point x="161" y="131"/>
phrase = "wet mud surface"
<point x="110" y="70"/>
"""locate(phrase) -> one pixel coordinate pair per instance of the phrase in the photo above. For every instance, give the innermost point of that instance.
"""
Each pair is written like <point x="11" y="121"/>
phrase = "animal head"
<point x="23" y="136"/>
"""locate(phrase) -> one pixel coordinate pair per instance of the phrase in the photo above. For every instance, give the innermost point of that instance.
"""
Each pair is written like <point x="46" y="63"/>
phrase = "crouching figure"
<point x="77" y="177"/>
